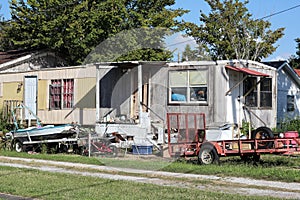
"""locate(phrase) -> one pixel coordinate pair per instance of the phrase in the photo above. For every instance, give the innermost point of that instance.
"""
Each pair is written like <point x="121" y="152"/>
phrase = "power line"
<point x="181" y="42"/>
<point x="277" y="13"/>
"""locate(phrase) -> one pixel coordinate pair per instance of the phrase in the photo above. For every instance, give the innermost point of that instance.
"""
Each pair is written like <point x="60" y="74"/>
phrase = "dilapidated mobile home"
<point x="133" y="98"/>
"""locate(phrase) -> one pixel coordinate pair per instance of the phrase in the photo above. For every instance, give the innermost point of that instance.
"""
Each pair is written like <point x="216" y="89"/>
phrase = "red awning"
<point x="246" y="71"/>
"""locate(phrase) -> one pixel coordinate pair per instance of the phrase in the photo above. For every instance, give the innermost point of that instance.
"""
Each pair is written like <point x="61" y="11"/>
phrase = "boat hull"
<point x="44" y="133"/>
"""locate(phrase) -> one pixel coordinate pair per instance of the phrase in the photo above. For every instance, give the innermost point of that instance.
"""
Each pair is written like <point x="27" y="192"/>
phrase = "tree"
<point x="75" y="28"/>
<point x="2" y="24"/>
<point x="294" y="60"/>
<point x="197" y="54"/>
<point x="188" y="54"/>
<point x="230" y="33"/>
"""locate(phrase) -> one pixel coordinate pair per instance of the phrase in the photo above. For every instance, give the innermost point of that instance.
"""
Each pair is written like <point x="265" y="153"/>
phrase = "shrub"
<point x="288" y="125"/>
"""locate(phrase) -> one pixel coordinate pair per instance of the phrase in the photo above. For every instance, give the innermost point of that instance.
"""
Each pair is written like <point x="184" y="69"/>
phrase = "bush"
<point x="4" y="125"/>
<point x="288" y="125"/>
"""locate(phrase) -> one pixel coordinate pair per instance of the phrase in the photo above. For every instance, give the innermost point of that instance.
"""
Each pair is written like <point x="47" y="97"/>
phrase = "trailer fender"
<point x="217" y="147"/>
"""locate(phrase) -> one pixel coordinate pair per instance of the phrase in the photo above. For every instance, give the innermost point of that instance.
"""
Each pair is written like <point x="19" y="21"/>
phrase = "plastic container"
<point x="142" y="149"/>
<point x="291" y="134"/>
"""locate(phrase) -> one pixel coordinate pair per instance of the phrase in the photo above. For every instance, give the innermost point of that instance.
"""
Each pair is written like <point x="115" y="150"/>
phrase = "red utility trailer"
<point x="187" y="136"/>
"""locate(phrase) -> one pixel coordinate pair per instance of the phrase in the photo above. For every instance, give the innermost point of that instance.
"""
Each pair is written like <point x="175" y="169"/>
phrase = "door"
<point x="30" y="97"/>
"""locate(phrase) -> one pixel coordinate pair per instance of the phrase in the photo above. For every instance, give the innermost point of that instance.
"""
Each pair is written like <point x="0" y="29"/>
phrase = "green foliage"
<point x="199" y="53"/>
<point x="75" y="28"/>
<point x="229" y="32"/>
<point x="4" y="125"/>
<point x="245" y="128"/>
<point x="135" y="44"/>
<point x="294" y="60"/>
<point x="288" y="125"/>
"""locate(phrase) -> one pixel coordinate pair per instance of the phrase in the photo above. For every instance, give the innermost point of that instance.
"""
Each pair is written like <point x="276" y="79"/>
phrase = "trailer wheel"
<point x="17" y="146"/>
<point x="263" y="133"/>
<point x="208" y="155"/>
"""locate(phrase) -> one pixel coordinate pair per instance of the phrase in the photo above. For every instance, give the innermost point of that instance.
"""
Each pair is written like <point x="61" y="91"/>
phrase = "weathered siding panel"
<point x="11" y="92"/>
<point x="85" y="93"/>
<point x="159" y="94"/>
<point x="43" y="97"/>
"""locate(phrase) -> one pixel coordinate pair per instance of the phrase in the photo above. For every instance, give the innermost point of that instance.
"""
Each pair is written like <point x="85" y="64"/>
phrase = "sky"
<point x="258" y="9"/>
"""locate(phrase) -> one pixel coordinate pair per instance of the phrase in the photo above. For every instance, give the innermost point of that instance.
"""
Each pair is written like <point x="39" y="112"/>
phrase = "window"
<point x="290" y="103"/>
<point x="250" y="88"/>
<point x="189" y="86"/>
<point x="61" y="94"/>
<point x="266" y="93"/>
<point x="258" y="94"/>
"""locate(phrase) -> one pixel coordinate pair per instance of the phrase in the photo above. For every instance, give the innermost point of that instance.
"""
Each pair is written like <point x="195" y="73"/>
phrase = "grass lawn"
<point x="46" y="185"/>
<point x="271" y="167"/>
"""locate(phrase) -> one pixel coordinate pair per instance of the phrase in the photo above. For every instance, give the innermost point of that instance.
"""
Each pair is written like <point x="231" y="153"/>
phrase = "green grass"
<point x="271" y="167"/>
<point x="57" y="157"/>
<point x="267" y="169"/>
<point x="46" y="185"/>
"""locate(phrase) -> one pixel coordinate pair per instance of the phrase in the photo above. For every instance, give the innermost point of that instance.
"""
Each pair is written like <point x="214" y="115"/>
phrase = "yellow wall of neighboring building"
<point x="1" y="103"/>
<point x="13" y="91"/>
<point x="43" y="91"/>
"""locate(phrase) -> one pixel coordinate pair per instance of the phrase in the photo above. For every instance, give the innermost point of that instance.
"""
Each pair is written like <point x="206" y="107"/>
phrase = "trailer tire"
<point x="263" y="133"/>
<point x="208" y="155"/>
<point x="17" y="146"/>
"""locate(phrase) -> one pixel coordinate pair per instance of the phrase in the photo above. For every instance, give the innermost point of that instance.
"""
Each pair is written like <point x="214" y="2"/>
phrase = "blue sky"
<point x="258" y="8"/>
